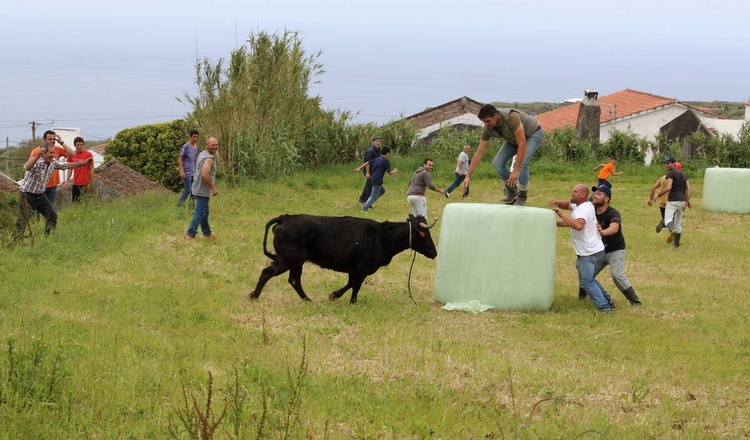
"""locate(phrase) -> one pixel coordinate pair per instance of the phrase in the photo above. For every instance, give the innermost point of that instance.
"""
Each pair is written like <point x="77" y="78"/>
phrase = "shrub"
<point x="626" y="146"/>
<point x="564" y="145"/>
<point x="152" y="150"/>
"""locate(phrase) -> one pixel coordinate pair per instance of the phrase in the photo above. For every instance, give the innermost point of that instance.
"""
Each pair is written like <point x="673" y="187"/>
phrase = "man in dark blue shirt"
<point x="375" y="171"/>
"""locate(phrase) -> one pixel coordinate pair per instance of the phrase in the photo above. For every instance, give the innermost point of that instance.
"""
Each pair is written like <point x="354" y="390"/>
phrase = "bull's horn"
<point x="428" y="226"/>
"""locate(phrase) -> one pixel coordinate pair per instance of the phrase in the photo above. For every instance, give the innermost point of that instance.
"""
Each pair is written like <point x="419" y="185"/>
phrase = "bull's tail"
<point x="272" y="222"/>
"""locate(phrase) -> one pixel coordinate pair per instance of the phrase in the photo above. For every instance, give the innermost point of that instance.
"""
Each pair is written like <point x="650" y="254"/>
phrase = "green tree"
<point x="152" y="150"/>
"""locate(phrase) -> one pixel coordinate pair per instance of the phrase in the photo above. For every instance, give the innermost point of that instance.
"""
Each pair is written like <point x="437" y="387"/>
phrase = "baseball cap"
<point x="604" y="189"/>
<point x="670" y="159"/>
<point x="375" y="138"/>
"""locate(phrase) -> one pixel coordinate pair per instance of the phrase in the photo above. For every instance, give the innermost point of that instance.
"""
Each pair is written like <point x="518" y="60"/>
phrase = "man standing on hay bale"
<point x="522" y="136"/>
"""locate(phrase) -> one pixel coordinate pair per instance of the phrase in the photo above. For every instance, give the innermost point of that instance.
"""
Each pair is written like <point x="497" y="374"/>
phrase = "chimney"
<point x="589" y="114"/>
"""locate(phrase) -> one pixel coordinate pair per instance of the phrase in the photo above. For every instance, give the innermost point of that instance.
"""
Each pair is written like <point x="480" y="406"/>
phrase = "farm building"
<point x="459" y="113"/>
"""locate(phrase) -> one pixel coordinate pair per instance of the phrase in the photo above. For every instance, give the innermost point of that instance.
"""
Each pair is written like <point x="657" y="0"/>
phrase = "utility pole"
<point x="33" y="132"/>
<point x="7" y="155"/>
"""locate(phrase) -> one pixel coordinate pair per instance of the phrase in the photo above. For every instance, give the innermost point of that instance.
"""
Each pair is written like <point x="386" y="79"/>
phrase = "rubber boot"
<point x="672" y="232"/>
<point x="521" y="200"/>
<point x="631" y="296"/>
<point x="677" y="239"/>
<point x="660" y="226"/>
<point x="511" y="195"/>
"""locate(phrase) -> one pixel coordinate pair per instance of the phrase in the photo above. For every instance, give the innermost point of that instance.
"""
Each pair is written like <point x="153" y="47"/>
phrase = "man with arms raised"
<point x="65" y="150"/>
<point x="38" y="171"/>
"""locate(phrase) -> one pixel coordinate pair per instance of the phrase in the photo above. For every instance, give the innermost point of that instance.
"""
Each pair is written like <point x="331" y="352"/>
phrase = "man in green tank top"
<point x="522" y="136"/>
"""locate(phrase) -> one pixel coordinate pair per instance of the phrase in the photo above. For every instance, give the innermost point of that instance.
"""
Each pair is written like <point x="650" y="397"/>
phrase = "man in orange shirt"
<point x="83" y="177"/>
<point x="607" y="169"/>
<point x="49" y="140"/>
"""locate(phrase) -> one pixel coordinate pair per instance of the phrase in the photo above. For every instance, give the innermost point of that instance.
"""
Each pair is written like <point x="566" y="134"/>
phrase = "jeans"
<point x="418" y="205"/>
<point x="367" y="190"/>
<point x="508" y="150"/>
<point x="51" y="194"/>
<point x="673" y="213"/>
<point x="38" y="202"/>
<point x="376" y="193"/>
<point x="616" y="262"/>
<point x="187" y="184"/>
<point x="604" y="182"/>
<point x="457" y="182"/>
<point x="586" y="267"/>
<point x="200" y="217"/>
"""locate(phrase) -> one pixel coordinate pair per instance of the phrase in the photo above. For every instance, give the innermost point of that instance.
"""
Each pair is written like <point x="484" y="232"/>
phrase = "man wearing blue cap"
<point x="678" y="188"/>
<point x="610" y="229"/>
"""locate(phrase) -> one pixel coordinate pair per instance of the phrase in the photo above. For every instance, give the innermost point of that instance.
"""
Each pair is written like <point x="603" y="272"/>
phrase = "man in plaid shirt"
<point x="39" y="168"/>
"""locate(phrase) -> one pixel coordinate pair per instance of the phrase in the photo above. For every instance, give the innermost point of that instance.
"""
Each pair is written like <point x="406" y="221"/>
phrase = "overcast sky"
<point x="103" y="67"/>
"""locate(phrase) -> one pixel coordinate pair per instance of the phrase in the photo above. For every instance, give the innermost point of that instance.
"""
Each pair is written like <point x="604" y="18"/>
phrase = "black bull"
<point x="356" y="246"/>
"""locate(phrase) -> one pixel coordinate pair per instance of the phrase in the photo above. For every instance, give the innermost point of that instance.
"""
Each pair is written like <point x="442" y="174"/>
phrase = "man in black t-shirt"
<point x="610" y="229"/>
<point x="678" y="188"/>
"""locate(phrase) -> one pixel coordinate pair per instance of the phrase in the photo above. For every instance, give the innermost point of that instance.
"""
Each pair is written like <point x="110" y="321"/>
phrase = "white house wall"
<point x="646" y="124"/>
<point x="465" y="119"/>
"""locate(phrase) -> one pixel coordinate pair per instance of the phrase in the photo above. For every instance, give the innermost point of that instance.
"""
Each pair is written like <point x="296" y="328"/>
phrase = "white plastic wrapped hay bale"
<point x="502" y="256"/>
<point x="727" y="190"/>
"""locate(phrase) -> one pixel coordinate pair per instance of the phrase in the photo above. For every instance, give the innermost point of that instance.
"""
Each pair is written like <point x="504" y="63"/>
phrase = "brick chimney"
<point x="589" y="113"/>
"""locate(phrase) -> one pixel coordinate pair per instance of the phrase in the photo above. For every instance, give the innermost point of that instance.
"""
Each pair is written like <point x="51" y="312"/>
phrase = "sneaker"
<point x="660" y="226"/>
<point x="611" y="304"/>
<point x="605" y="310"/>
<point x="635" y="304"/>
<point x="188" y="237"/>
<point x="447" y="195"/>
<point x="211" y="236"/>
<point x="671" y="237"/>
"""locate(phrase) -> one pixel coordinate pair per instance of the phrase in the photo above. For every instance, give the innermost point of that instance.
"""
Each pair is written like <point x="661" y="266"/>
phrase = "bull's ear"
<point x="411" y="217"/>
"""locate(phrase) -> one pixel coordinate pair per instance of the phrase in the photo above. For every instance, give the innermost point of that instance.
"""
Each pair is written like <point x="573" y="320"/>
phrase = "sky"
<point x="104" y="67"/>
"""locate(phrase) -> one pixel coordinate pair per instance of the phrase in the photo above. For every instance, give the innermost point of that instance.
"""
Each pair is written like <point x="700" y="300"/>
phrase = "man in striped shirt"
<point x="39" y="168"/>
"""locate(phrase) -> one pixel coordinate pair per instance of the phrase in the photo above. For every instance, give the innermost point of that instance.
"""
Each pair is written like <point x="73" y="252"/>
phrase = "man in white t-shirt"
<point x="462" y="166"/>
<point x="587" y="242"/>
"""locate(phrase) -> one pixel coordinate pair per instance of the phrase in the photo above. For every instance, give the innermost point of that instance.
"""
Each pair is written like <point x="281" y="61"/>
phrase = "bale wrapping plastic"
<point x="499" y="255"/>
<point x="727" y="190"/>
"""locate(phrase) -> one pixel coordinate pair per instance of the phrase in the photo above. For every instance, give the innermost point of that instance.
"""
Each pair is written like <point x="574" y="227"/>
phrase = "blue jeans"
<point x="51" y="194"/>
<point x="187" y="183"/>
<point x="377" y="191"/>
<point x="367" y="190"/>
<point x="616" y="262"/>
<point x="586" y="267"/>
<point x="457" y="182"/>
<point x="507" y="151"/>
<point x="200" y="217"/>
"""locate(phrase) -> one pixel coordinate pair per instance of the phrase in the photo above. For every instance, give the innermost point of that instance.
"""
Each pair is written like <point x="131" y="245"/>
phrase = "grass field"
<point x="117" y="327"/>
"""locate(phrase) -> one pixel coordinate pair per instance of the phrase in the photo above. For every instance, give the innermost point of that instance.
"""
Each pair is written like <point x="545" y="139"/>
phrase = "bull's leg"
<point x="356" y="284"/>
<point x="336" y="294"/>
<point x="295" y="279"/>
<point x="269" y="272"/>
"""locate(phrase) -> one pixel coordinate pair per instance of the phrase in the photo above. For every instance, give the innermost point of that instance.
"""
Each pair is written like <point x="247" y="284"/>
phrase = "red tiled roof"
<point x="99" y="148"/>
<point x="617" y="105"/>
